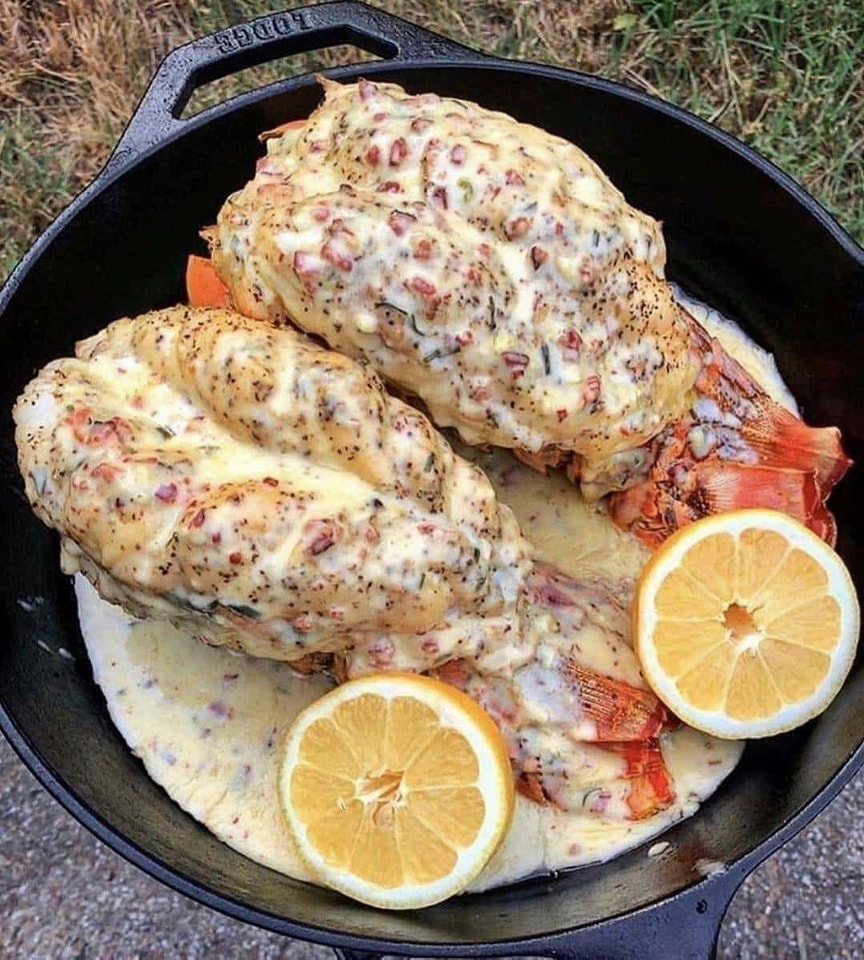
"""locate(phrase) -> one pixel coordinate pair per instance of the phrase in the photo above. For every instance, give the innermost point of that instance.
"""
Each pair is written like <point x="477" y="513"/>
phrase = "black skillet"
<point x="741" y="236"/>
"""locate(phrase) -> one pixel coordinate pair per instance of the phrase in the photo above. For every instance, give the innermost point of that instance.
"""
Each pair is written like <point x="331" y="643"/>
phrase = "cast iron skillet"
<point x="741" y="235"/>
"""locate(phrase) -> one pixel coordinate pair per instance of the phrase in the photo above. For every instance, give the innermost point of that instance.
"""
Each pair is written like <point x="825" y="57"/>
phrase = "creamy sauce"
<point x="206" y="722"/>
<point x="485" y="265"/>
<point x="268" y="493"/>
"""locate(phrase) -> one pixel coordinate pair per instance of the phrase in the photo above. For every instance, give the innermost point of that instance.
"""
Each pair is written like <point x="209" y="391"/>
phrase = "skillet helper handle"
<point x="685" y="927"/>
<point x="270" y="38"/>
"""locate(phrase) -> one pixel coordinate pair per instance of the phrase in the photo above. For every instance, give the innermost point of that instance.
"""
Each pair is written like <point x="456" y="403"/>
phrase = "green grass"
<point x="786" y="76"/>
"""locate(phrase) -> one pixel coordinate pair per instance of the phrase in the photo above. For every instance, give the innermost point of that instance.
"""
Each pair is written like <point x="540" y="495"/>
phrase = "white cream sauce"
<point x="206" y="722"/>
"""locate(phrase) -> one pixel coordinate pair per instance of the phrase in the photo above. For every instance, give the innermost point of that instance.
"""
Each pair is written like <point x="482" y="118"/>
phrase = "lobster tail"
<point x="651" y="787"/>
<point x="735" y="448"/>
<point x="619" y="711"/>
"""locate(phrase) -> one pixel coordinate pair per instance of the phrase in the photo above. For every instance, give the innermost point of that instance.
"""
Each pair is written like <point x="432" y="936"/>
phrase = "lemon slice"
<point x="396" y="788"/>
<point x="746" y="623"/>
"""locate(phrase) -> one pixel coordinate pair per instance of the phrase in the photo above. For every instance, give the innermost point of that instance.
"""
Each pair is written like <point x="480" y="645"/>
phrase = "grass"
<point x="786" y="76"/>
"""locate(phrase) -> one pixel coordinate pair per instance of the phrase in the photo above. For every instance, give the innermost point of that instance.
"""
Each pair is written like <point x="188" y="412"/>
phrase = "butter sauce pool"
<point x="207" y="722"/>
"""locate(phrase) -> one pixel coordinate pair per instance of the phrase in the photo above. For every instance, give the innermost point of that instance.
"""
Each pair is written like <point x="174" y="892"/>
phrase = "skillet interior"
<point x="736" y="238"/>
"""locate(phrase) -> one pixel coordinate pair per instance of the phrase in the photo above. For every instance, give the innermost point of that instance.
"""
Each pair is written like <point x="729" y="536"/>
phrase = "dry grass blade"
<point x="72" y="73"/>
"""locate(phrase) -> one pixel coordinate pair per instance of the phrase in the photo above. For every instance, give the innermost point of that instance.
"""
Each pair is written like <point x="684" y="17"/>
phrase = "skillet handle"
<point x="686" y="927"/>
<point x="269" y="38"/>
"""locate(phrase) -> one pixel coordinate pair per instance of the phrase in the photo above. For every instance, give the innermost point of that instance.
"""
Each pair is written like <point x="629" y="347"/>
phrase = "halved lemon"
<point x="396" y="788"/>
<point x="745" y="623"/>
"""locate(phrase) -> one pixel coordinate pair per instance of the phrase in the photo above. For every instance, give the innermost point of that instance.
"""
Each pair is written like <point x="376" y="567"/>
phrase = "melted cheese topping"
<point x="483" y="264"/>
<point x="267" y="492"/>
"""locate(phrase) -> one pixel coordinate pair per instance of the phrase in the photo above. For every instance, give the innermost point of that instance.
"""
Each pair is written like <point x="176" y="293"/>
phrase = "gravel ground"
<point x="65" y="895"/>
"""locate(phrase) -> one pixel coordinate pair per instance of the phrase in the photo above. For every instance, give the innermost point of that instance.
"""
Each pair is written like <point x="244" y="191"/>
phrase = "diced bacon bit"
<point x="97" y="432"/>
<point x="430" y="645"/>
<point x="389" y="186"/>
<point x="464" y="337"/>
<point x="332" y="254"/>
<point x="321" y="213"/>
<point x="484" y="249"/>
<point x="561" y="414"/>
<point x="381" y="652"/>
<point x="318" y="146"/>
<point x="267" y="166"/>
<point x="398" y="151"/>
<point x="456" y="672"/>
<point x="538" y="256"/>
<point x="400" y="222"/>
<point x="379" y="117"/>
<point x="271" y="481"/>
<point x="106" y="471"/>
<point x="303" y="623"/>
<point x="199" y="518"/>
<point x="137" y="401"/>
<point x="336" y="613"/>
<point x="586" y="271"/>
<point x="419" y="124"/>
<point x="421" y="286"/>
<point x="370" y="534"/>
<point x="423" y="249"/>
<point x="591" y="390"/>
<point x="457" y="154"/>
<point x="439" y="195"/>
<point x="235" y="557"/>
<point x="166" y="492"/>
<point x="571" y="344"/>
<point x="516" y="229"/>
<point x="373" y="155"/>
<point x="426" y="527"/>
<point x="220" y="709"/>
<point x="216" y="537"/>
<point x="305" y="264"/>
<point x="559" y="229"/>
<point x="320" y="535"/>
<point x="517" y="362"/>
<point x="479" y="393"/>
<point x="367" y="89"/>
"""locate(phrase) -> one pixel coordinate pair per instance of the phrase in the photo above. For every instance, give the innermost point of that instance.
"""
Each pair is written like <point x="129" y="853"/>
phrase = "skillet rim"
<point x="721" y="886"/>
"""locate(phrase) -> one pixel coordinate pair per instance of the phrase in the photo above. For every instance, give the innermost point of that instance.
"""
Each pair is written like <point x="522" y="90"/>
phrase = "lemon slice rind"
<point x="669" y="558"/>
<point x="494" y="781"/>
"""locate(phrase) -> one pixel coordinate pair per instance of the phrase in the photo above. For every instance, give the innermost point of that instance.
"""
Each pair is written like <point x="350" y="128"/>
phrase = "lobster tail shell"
<point x="735" y="448"/>
<point x="619" y="711"/>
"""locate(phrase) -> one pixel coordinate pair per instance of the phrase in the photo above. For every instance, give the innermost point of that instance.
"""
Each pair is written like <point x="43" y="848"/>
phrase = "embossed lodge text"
<point x="267" y="28"/>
